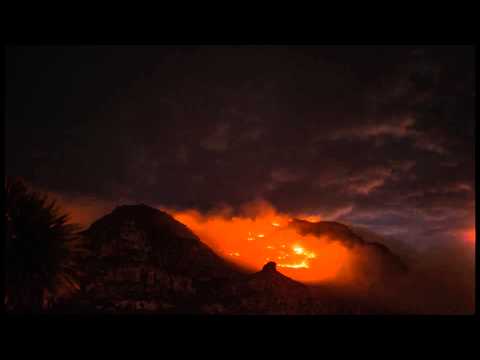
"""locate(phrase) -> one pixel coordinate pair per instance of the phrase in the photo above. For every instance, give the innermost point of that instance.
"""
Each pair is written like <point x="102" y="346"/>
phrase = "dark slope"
<point x="143" y="257"/>
<point x="157" y="238"/>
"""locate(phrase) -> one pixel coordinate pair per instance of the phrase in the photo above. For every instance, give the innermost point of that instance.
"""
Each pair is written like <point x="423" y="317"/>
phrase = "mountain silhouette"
<point x="155" y="237"/>
<point x="141" y="259"/>
<point x="374" y="253"/>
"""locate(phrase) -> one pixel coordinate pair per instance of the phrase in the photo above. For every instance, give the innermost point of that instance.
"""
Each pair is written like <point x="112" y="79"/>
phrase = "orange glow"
<point x="311" y="218"/>
<point x="265" y="236"/>
<point x="469" y="235"/>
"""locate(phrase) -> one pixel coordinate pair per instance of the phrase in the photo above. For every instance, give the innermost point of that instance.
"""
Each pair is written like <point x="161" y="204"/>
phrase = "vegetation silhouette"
<point x="42" y="250"/>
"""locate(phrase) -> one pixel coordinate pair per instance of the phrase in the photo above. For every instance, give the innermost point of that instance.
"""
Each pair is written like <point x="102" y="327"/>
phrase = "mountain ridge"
<point x="142" y="259"/>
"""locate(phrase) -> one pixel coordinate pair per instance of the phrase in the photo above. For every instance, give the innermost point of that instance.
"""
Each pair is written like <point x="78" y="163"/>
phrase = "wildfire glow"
<point x="298" y="250"/>
<point x="303" y="264"/>
<point x="264" y="235"/>
<point x="469" y="235"/>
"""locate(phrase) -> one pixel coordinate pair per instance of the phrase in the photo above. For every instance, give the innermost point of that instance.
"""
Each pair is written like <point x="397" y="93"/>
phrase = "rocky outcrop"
<point x="264" y="292"/>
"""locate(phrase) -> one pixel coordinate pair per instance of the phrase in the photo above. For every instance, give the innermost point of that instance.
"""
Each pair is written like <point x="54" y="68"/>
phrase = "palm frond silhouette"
<point x="42" y="249"/>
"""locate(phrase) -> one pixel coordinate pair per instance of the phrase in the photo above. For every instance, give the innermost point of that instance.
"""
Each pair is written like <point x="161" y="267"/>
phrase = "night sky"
<point x="381" y="137"/>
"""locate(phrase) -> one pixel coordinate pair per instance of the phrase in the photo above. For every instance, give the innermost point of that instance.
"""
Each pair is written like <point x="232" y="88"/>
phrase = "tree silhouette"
<point x="41" y="249"/>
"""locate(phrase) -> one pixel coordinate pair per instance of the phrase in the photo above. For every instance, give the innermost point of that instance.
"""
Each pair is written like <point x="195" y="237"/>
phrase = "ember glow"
<point x="251" y="241"/>
<point x="469" y="235"/>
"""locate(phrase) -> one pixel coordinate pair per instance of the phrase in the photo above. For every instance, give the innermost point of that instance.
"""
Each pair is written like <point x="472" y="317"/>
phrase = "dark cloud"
<point x="218" y="140"/>
<point x="378" y="136"/>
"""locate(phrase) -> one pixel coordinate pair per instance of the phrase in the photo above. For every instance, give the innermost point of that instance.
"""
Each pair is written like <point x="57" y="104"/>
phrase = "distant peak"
<point x="133" y="206"/>
<point x="136" y="207"/>
<point x="270" y="267"/>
